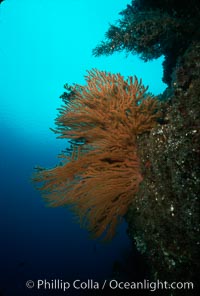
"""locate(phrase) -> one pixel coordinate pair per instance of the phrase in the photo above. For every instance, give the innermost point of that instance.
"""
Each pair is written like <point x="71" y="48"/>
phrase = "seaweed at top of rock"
<point x="152" y="29"/>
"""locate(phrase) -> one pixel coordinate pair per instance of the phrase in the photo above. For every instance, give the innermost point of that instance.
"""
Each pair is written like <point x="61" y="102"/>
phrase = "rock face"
<point x="164" y="218"/>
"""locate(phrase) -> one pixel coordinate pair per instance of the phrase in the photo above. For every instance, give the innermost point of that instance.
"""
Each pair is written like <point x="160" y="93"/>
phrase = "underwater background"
<point x="45" y="44"/>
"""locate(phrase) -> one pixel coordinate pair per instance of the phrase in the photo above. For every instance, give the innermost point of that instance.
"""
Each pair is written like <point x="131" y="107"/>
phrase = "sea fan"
<point x="100" y="177"/>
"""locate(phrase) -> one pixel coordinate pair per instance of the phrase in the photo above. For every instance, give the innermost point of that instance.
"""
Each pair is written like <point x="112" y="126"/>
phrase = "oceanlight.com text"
<point x="90" y="284"/>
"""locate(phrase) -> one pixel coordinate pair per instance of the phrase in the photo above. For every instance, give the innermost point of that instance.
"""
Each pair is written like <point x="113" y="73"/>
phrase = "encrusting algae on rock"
<point x="100" y="177"/>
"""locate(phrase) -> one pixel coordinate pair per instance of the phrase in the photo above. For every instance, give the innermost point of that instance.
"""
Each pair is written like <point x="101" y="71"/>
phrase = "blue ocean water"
<point x="45" y="44"/>
<point x="42" y="242"/>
